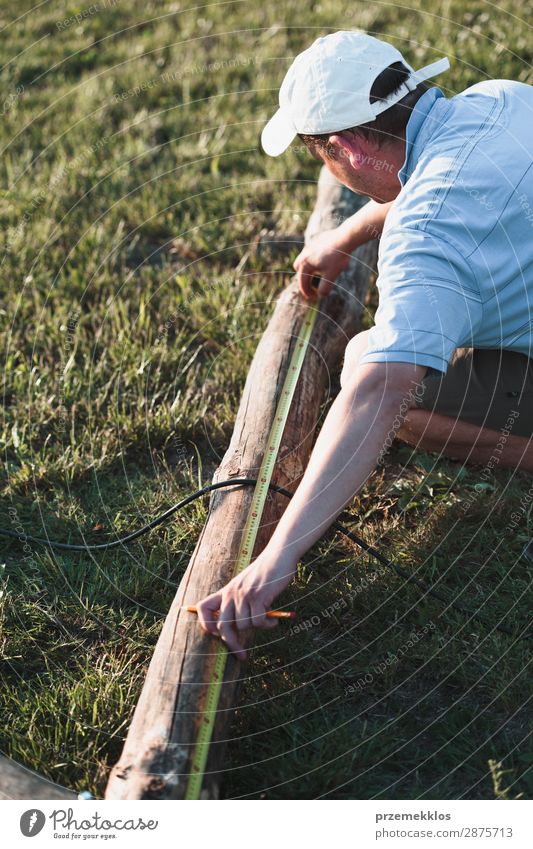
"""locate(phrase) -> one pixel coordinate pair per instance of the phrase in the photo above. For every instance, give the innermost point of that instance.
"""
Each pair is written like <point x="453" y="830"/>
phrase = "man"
<point x="451" y="189"/>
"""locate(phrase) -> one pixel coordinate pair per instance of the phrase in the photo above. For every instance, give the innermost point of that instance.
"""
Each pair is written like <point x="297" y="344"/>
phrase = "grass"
<point x="131" y="191"/>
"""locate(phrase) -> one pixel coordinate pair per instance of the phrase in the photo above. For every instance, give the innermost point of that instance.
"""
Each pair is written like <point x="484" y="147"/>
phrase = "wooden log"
<point x="155" y="762"/>
<point x="17" y="782"/>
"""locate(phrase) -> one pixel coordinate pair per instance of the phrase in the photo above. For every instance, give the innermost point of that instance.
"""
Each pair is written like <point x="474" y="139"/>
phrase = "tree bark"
<point x="156" y="759"/>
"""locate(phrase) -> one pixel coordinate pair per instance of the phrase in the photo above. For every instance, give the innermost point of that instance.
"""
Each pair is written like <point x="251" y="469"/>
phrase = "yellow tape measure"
<point x="209" y="711"/>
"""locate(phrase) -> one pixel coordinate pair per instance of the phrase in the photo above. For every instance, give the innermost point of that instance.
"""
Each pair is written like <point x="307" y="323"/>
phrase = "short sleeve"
<point x="429" y="303"/>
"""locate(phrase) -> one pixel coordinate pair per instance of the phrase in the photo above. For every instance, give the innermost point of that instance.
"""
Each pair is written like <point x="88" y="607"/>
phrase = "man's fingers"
<point x="269" y="624"/>
<point x="305" y="280"/>
<point x="258" y="615"/>
<point x="260" y="619"/>
<point x="206" y="613"/>
<point x="243" y="617"/>
<point x="324" y="287"/>
<point x="227" y="632"/>
<point x="220" y="623"/>
<point x="301" y="279"/>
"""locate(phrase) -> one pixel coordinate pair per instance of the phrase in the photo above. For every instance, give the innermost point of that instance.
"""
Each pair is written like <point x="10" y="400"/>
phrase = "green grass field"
<point x="132" y="189"/>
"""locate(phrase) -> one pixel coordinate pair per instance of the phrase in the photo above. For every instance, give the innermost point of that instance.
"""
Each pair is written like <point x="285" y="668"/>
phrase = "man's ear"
<point x="352" y="147"/>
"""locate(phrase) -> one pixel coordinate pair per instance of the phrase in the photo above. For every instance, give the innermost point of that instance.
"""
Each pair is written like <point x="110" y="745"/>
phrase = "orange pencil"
<point x="270" y="614"/>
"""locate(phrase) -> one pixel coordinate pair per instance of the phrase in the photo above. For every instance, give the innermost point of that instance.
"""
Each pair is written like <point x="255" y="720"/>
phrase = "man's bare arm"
<point x="364" y="225"/>
<point x="346" y="452"/>
<point x="348" y="446"/>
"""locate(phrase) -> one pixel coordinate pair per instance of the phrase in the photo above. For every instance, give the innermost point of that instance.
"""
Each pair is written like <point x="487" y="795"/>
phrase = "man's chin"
<point x="364" y="193"/>
<point x="367" y="194"/>
<point x="381" y="199"/>
<point x="356" y="191"/>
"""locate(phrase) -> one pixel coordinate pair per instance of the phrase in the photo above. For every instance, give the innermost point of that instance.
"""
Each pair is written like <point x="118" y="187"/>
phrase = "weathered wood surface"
<point x="17" y="782"/>
<point x="155" y="761"/>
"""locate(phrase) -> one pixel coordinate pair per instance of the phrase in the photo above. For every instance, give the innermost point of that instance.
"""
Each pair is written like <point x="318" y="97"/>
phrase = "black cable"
<point x="104" y="546"/>
<point x="403" y="573"/>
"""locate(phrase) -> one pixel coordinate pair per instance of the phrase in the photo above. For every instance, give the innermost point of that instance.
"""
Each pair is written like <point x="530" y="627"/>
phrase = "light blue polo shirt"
<point x="455" y="262"/>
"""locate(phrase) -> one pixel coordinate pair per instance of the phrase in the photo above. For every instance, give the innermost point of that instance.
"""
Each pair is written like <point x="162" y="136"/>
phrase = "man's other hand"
<point x="324" y="257"/>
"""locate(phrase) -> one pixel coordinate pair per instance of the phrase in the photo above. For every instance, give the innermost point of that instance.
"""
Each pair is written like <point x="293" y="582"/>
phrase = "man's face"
<point x="367" y="168"/>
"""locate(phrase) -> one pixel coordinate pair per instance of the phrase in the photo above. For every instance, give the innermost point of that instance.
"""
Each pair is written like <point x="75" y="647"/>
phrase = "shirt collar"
<point x="419" y="127"/>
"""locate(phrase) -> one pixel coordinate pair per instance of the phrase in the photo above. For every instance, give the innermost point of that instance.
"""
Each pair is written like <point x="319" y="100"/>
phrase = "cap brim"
<point x="278" y="134"/>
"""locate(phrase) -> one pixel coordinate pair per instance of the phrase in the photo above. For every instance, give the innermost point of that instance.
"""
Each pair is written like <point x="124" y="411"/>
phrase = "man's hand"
<point x="325" y="256"/>
<point x="329" y="253"/>
<point x="243" y="603"/>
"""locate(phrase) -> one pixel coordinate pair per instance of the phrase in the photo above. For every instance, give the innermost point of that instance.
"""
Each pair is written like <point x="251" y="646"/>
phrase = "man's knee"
<point x="353" y="353"/>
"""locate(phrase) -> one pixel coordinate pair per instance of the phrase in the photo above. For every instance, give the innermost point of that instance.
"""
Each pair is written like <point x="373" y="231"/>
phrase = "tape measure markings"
<point x="251" y="528"/>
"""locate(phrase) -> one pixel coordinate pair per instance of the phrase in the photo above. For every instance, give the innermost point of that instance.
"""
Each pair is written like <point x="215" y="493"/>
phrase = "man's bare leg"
<point x="461" y="440"/>
<point x="447" y="435"/>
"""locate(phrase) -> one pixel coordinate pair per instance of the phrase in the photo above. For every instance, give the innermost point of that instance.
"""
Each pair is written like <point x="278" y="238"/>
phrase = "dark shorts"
<point x="489" y="388"/>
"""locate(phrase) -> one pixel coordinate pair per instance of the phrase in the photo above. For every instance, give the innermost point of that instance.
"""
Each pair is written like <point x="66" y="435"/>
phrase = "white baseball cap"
<point x="327" y="87"/>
